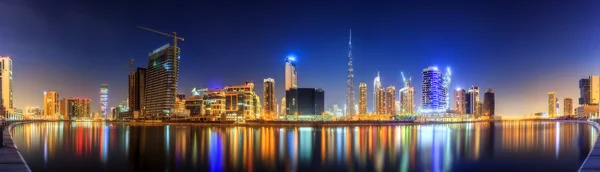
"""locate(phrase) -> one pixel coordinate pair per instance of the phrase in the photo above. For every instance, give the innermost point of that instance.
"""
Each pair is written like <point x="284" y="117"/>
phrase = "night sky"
<point x="521" y="49"/>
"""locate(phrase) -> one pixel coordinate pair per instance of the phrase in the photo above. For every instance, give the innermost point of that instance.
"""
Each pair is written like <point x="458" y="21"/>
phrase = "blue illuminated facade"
<point x="434" y="94"/>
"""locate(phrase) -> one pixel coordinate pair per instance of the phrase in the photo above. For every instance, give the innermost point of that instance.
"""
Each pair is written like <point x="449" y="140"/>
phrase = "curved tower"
<point x="376" y="86"/>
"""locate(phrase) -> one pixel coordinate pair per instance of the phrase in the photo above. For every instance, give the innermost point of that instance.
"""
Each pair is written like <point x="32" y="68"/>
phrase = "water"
<point x="506" y="146"/>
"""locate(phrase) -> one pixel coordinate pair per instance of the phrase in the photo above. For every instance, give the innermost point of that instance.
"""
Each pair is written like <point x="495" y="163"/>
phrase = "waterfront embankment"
<point x="592" y="162"/>
<point x="10" y="157"/>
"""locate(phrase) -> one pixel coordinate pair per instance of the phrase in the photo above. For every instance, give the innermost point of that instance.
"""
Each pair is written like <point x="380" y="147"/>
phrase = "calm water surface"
<point x="500" y="146"/>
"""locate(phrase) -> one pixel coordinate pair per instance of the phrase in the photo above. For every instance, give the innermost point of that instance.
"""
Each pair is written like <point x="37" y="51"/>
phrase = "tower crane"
<point x="174" y="36"/>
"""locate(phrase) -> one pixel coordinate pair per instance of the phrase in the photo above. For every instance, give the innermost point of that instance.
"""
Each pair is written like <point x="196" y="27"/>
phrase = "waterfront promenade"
<point x="592" y="162"/>
<point x="10" y="158"/>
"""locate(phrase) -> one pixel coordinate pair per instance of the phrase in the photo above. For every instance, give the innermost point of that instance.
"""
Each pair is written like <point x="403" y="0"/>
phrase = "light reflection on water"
<point x="506" y="146"/>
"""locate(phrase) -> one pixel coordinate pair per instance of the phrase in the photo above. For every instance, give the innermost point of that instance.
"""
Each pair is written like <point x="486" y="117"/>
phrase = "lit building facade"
<point x="552" y="104"/>
<point x="472" y="101"/>
<point x="269" y="97"/>
<point x="376" y="87"/>
<point x="78" y="107"/>
<point x="584" y="91"/>
<point x="305" y="101"/>
<point x="241" y="101"/>
<point x="51" y="105"/>
<point x="586" y="110"/>
<point x="34" y="111"/>
<point x="407" y="96"/>
<point x="460" y="101"/>
<point x="180" y="102"/>
<point x="7" y="88"/>
<point x="283" y="107"/>
<point x="362" y="98"/>
<point x="434" y="96"/>
<point x="380" y="101"/>
<point x="390" y="100"/>
<point x="568" y="106"/>
<point x="489" y="103"/>
<point x="291" y="76"/>
<point x="104" y="109"/>
<point x="161" y="80"/>
<point x="594" y="90"/>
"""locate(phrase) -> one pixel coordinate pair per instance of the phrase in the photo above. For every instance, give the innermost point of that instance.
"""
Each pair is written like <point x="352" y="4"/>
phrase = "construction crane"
<point x="174" y="36"/>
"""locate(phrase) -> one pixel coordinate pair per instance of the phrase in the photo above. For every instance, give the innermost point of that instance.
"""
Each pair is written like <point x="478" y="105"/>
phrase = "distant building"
<point x="434" y="95"/>
<point x="241" y="101"/>
<point x="283" y="107"/>
<point x="51" y="105"/>
<point x="552" y="104"/>
<point x="291" y="76"/>
<point x="137" y="91"/>
<point x="77" y="107"/>
<point x="472" y="101"/>
<point x="380" y="101"/>
<point x="460" y="101"/>
<point x="376" y="87"/>
<point x="305" y="101"/>
<point x="489" y="103"/>
<point x="34" y="111"/>
<point x="180" y="102"/>
<point x="162" y="76"/>
<point x="407" y="97"/>
<point x="196" y="105"/>
<point x="568" y="106"/>
<point x="269" y="97"/>
<point x="362" y="98"/>
<point x="587" y="111"/>
<point x="104" y="100"/>
<point x="6" y="79"/>
<point x="390" y="100"/>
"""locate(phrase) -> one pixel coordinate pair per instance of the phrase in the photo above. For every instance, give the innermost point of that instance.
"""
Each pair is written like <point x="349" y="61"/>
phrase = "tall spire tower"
<point x="350" y="94"/>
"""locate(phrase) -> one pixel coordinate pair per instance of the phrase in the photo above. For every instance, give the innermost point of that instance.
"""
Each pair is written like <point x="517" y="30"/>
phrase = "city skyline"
<point x="322" y="57"/>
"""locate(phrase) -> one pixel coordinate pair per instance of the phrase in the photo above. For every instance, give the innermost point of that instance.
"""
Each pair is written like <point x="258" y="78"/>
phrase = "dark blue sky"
<point x="521" y="49"/>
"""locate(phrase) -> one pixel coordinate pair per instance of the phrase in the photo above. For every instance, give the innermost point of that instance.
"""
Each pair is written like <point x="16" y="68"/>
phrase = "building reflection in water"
<point x="439" y="147"/>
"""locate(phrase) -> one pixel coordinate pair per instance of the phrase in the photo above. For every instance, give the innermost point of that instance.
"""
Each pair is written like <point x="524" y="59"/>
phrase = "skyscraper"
<point x="584" y="91"/>
<point x="350" y="94"/>
<point x="460" y="101"/>
<point x="161" y="80"/>
<point x="51" y="105"/>
<point x="269" y="97"/>
<point x="7" y="89"/>
<point x="305" y="101"/>
<point x="472" y="101"/>
<point x="362" y="98"/>
<point x="433" y="90"/>
<point x="380" y="101"/>
<point x="407" y="96"/>
<point x="376" y="86"/>
<point x="489" y="103"/>
<point x="291" y="75"/>
<point x="137" y="91"/>
<point x="552" y="104"/>
<point x="104" y="109"/>
<point x="568" y="106"/>
<point x="594" y="90"/>
<point x="390" y="100"/>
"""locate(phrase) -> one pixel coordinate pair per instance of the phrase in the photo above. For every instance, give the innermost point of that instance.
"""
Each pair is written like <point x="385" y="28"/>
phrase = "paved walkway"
<point x="592" y="162"/>
<point x="10" y="158"/>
